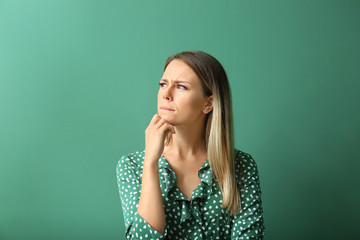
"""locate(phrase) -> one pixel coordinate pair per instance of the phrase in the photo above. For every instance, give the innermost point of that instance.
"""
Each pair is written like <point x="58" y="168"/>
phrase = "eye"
<point x="182" y="87"/>
<point x="162" y="84"/>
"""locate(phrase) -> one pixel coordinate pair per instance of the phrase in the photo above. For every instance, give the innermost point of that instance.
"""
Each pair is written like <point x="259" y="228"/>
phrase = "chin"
<point x="167" y="118"/>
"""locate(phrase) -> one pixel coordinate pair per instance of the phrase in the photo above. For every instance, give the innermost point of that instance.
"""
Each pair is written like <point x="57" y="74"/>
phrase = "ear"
<point x="208" y="105"/>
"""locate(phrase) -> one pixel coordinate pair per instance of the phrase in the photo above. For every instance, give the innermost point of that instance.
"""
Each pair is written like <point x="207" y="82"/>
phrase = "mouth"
<point x="166" y="109"/>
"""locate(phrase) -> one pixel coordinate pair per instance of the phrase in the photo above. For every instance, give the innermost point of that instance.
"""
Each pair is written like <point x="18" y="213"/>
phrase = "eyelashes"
<point x="178" y="86"/>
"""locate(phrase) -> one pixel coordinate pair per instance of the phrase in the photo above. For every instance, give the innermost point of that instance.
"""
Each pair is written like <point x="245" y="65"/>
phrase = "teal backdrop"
<point x="78" y="86"/>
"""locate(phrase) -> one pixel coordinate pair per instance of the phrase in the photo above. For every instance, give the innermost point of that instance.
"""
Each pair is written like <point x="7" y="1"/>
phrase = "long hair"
<point x="219" y="131"/>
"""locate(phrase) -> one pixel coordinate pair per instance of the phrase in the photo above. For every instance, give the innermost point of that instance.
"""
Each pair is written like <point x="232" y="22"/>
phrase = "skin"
<point x="180" y="90"/>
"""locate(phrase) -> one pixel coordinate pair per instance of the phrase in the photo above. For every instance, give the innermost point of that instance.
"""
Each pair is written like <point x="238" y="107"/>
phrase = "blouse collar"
<point x="205" y="175"/>
<point x="202" y="191"/>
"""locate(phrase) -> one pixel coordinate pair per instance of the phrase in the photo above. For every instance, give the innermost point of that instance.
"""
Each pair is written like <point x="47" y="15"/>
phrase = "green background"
<point x="78" y="85"/>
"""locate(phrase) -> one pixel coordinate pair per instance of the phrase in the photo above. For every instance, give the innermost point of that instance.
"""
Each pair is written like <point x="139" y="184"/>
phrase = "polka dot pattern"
<point x="201" y="217"/>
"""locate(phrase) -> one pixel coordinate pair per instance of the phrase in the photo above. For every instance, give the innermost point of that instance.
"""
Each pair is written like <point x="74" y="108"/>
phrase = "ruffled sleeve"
<point x="249" y="223"/>
<point x="129" y="185"/>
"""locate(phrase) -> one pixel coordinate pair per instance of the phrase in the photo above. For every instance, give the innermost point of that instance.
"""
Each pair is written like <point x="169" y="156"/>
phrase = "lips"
<point x="167" y="109"/>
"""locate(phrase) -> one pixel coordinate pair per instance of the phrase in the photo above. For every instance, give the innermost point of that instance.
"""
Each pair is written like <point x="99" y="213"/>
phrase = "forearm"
<point x="151" y="207"/>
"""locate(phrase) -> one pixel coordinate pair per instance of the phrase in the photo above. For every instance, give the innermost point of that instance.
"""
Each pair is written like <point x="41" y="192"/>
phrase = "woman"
<point x="190" y="182"/>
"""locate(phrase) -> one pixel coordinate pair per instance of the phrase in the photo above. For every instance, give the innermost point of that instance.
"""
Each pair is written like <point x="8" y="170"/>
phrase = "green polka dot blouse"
<point x="201" y="217"/>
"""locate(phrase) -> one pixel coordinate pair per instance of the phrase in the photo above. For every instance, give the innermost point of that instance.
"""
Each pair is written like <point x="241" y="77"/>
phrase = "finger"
<point x="160" y="123"/>
<point x="166" y="127"/>
<point x="155" y="119"/>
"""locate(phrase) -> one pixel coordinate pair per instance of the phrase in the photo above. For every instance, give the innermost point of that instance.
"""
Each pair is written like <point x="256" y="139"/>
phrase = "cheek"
<point x="158" y="96"/>
<point x="194" y="103"/>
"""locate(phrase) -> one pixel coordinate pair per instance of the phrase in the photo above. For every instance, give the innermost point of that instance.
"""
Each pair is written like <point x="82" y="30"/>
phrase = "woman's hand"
<point x="155" y="135"/>
<point x="151" y="207"/>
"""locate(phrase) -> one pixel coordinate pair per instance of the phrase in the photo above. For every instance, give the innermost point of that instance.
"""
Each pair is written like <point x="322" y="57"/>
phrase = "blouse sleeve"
<point x="129" y="185"/>
<point x="249" y="223"/>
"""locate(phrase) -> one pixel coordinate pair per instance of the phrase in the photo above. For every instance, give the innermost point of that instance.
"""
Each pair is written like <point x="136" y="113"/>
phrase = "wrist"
<point x="151" y="162"/>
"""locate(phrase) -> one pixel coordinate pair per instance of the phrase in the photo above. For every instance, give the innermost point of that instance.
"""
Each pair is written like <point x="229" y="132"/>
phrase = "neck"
<point x="188" y="140"/>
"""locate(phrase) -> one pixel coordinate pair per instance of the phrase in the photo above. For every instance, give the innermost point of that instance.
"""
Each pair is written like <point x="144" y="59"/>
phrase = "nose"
<point x="167" y="95"/>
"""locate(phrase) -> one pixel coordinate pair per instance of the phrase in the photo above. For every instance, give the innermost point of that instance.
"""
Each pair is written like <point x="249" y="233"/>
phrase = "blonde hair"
<point x="219" y="132"/>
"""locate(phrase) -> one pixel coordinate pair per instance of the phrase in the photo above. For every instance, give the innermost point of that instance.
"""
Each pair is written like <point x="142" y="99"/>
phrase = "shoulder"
<point x="130" y="162"/>
<point x="245" y="165"/>
<point x="244" y="158"/>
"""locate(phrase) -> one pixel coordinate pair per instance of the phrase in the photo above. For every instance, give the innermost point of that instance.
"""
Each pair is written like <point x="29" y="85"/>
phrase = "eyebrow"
<point x="176" y="81"/>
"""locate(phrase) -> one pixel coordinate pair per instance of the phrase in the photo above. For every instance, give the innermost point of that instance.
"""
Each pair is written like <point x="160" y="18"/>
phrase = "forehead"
<point x="179" y="70"/>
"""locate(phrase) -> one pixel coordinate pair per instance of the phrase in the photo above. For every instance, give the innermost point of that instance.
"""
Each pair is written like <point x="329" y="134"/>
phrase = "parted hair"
<point x="219" y="131"/>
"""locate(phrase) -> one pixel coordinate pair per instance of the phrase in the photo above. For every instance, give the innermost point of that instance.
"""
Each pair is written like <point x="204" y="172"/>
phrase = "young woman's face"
<point x="180" y="98"/>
